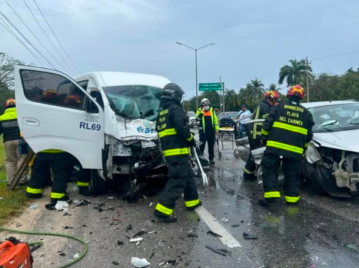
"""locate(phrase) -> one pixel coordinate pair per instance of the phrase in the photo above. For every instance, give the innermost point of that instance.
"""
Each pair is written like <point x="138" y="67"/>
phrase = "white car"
<point x="106" y="120"/>
<point x="331" y="162"/>
<point x="192" y="122"/>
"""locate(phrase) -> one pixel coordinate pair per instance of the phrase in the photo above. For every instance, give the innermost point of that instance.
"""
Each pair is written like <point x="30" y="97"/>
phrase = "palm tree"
<point x="295" y="73"/>
<point x="230" y="100"/>
<point x="273" y="87"/>
<point x="251" y="94"/>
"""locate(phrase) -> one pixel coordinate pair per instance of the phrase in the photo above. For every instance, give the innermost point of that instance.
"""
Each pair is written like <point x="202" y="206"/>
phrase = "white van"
<point x="106" y="120"/>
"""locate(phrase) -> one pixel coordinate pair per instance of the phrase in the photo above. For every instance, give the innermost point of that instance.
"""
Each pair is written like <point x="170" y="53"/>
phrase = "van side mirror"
<point x="91" y="106"/>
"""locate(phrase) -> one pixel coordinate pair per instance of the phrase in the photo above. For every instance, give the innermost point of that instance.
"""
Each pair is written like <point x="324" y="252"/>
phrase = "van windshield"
<point x="135" y="101"/>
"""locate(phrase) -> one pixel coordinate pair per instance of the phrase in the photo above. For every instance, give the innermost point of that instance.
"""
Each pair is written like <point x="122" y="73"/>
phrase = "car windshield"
<point x="135" y="101"/>
<point x="339" y="117"/>
<point x="191" y="114"/>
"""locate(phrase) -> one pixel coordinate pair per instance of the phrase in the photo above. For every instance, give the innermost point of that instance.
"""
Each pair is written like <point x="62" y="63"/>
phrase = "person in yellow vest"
<point x="208" y="128"/>
<point x="11" y="133"/>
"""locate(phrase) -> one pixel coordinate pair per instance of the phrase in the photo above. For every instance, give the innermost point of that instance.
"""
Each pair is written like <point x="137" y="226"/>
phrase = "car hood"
<point x="342" y="140"/>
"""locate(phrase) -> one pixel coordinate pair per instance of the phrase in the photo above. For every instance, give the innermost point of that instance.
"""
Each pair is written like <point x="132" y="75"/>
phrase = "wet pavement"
<point x="319" y="232"/>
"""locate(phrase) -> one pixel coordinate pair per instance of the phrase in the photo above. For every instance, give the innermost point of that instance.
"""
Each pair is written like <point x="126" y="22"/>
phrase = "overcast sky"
<point x="253" y="38"/>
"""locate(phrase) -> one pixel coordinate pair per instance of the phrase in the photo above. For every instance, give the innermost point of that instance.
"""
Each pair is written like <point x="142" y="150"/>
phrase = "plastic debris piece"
<point x="153" y="232"/>
<point x="138" y="243"/>
<point x="216" y="251"/>
<point x="140" y="233"/>
<point x="225" y="220"/>
<point x="80" y="203"/>
<point x="129" y="228"/>
<point x="213" y="234"/>
<point x="150" y="205"/>
<point x="250" y="236"/>
<point x="120" y="243"/>
<point x="115" y="263"/>
<point x="110" y="197"/>
<point x="139" y="263"/>
<point x="77" y="255"/>
<point x="62" y="205"/>
<point x="173" y="262"/>
<point x="135" y="240"/>
<point x="34" y="206"/>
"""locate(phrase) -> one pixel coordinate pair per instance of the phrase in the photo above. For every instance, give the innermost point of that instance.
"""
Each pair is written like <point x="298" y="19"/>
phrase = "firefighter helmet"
<point x="49" y="96"/>
<point x="72" y="100"/>
<point x="296" y="90"/>
<point x="10" y="103"/>
<point x="205" y="101"/>
<point x="273" y="95"/>
<point x="172" y="91"/>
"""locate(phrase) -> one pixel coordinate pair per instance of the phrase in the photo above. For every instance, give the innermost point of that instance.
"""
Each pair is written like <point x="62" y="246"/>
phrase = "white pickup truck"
<point x="106" y="120"/>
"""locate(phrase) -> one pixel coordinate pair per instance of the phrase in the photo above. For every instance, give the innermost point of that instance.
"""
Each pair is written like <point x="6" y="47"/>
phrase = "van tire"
<point x="97" y="184"/>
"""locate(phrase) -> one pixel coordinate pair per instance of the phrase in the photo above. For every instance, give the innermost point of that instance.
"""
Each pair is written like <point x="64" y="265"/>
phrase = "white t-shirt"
<point x="244" y="116"/>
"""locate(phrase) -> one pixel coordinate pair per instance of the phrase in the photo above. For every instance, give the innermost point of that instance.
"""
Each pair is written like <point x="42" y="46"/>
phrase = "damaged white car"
<point x="106" y="120"/>
<point x="331" y="162"/>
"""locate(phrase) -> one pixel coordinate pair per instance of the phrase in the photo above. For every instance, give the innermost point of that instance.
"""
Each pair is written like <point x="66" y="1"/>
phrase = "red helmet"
<point x="296" y="90"/>
<point x="273" y="95"/>
<point x="10" y="103"/>
<point x="72" y="100"/>
<point x="49" y="96"/>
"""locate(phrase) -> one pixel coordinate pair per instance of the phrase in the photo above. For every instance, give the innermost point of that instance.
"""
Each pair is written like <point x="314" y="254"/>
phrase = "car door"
<point x="56" y="113"/>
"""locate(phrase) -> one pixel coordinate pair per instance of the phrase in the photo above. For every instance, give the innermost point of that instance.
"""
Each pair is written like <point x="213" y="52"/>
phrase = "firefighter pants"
<point x="292" y="172"/>
<point x="59" y="164"/>
<point x="181" y="180"/>
<point x="83" y="178"/>
<point x="249" y="168"/>
<point x="210" y="138"/>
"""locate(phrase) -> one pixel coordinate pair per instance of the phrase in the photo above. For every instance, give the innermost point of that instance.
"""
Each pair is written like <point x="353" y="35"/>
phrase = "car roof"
<point x="126" y="78"/>
<point x="326" y="103"/>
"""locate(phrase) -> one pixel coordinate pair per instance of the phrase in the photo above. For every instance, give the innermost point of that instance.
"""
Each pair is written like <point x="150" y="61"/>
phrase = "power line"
<point x="35" y="36"/>
<point x="56" y="37"/>
<point x="69" y="68"/>
<point x="27" y="40"/>
<point x="13" y="34"/>
<point x="337" y="55"/>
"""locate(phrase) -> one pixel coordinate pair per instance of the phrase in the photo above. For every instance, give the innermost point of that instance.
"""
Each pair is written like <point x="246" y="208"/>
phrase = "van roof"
<point x="124" y="78"/>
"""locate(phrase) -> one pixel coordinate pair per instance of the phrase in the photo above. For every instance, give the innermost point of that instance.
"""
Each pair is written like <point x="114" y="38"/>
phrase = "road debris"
<point x="115" y="263"/>
<point x="139" y="263"/>
<point x="135" y="240"/>
<point x="218" y="251"/>
<point x="225" y="220"/>
<point x="250" y="236"/>
<point x="34" y="206"/>
<point x="62" y="206"/>
<point x="129" y="228"/>
<point x="173" y="262"/>
<point x="213" y="234"/>
<point x="67" y="214"/>
<point x="140" y="233"/>
<point x="192" y="234"/>
<point x="162" y="244"/>
<point x="77" y="255"/>
<point x="352" y="247"/>
<point x="110" y="197"/>
<point x="68" y="227"/>
<point x="153" y="254"/>
<point x="235" y="225"/>
<point x="80" y="203"/>
<point x="120" y="243"/>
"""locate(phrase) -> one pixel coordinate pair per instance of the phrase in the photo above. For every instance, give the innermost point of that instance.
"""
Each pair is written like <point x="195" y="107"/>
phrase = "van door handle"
<point x="30" y="121"/>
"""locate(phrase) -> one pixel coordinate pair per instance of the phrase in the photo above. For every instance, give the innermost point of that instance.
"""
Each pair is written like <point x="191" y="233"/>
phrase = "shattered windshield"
<point x="135" y="101"/>
<point x="337" y="117"/>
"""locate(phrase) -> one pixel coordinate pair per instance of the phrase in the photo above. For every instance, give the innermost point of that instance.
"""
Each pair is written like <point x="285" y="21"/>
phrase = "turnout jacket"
<point x="261" y="112"/>
<point x="288" y="130"/>
<point x="173" y="131"/>
<point x="9" y="126"/>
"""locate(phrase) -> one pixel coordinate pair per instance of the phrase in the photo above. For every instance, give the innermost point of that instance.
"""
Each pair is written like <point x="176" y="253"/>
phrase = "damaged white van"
<point x="106" y="120"/>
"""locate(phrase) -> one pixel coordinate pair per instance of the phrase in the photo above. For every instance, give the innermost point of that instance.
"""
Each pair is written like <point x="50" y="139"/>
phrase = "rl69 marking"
<point x="90" y="126"/>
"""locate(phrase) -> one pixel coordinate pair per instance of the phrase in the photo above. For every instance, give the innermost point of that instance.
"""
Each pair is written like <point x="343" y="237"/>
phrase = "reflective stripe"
<point x="33" y="190"/>
<point x="306" y="145"/>
<point x="273" y="194"/>
<point x="167" y="132"/>
<point x="163" y="209"/>
<point x="164" y="112"/>
<point x="179" y="151"/>
<point x="52" y="151"/>
<point x="265" y="132"/>
<point x="82" y="184"/>
<point x="290" y="128"/>
<point x="292" y="199"/>
<point x="285" y="147"/>
<point x="190" y="138"/>
<point x="57" y="195"/>
<point x="248" y="171"/>
<point x="192" y="203"/>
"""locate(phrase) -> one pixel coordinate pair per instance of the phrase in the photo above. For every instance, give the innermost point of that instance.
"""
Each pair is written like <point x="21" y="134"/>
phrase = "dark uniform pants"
<point x="59" y="164"/>
<point x="292" y="172"/>
<point x="83" y="178"/>
<point x="249" y="168"/>
<point x="181" y="180"/>
<point x="210" y="137"/>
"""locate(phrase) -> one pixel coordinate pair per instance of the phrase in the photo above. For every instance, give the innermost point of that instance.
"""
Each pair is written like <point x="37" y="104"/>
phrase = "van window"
<point x="52" y="89"/>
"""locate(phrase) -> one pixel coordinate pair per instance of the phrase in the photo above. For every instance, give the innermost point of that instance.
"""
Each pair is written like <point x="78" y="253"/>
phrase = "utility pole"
<point x="307" y="71"/>
<point x="224" y="103"/>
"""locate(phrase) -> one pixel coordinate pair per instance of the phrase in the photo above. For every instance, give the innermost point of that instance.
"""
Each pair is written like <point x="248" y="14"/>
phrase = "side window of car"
<point x="52" y="89"/>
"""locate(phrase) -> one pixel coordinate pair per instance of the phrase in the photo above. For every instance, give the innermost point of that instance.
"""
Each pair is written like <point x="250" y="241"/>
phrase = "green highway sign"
<point x="210" y="86"/>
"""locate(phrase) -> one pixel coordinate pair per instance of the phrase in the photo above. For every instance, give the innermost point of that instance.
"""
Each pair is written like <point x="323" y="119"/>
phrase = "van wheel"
<point x="97" y="184"/>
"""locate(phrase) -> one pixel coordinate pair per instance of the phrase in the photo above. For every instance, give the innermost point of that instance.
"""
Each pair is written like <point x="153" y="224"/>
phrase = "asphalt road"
<point x="319" y="232"/>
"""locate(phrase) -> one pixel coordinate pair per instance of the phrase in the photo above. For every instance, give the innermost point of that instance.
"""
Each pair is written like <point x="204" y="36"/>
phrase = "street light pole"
<point x="195" y="52"/>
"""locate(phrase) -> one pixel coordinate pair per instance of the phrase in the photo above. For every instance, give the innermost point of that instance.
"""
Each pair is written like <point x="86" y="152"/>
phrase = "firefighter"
<point x="208" y="128"/>
<point x="271" y="98"/>
<point x="286" y="133"/>
<point x="11" y="133"/>
<point x="59" y="162"/>
<point x="175" y="137"/>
